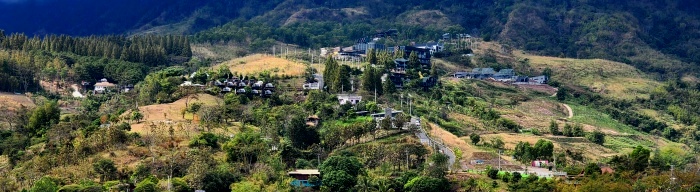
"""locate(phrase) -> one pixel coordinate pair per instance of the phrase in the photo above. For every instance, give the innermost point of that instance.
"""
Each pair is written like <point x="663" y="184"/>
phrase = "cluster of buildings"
<point x="504" y="75"/>
<point x="238" y="86"/>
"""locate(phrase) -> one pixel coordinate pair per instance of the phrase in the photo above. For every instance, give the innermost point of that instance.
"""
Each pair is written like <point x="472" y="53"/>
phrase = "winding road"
<point x="425" y="139"/>
<point x="571" y="112"/>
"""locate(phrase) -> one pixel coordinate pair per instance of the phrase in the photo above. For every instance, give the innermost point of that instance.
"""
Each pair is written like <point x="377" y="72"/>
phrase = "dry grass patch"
<point x="258" y="63"/>
<point x="170" y="112"/>
<point x="452" y="141"/>
<point x="14" y="101"/>
<point x="535" y="113"/>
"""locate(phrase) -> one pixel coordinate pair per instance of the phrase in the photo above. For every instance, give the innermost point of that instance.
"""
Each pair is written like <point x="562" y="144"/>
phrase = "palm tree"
<point x="383" y="186"/>
<point x="364" y="185"/>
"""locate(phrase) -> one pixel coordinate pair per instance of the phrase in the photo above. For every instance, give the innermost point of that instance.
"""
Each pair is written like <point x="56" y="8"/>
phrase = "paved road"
<point x="423" y="136"/>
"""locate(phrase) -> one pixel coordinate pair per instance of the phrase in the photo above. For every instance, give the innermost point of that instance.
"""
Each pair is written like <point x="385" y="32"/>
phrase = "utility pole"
<point x="407" y="165"/>
<point x="499" y="160"/>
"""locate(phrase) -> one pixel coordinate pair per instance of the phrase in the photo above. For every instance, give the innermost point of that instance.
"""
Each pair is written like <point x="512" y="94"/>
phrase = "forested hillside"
<point x="656" y="36"/>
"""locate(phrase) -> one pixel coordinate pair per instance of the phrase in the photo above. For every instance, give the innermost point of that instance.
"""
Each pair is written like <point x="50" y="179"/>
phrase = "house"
<point x="446" y="36"/>
<point x="428" y="82"/>
<point x="269" y="86"/>
<point x="103" y="86"/>
<point x="504" y="75"/>
<point x="433" y="47"/>
<point x="380" y="116"/>
<point x="127" y="88"/>
<point x="539" y="163"/>
<point x="363" y="47"/>
<point x="302" y="177"/>
<point x="349" y="99"/>
<point x="521" y="79"/>
<point x="461" y="75"/>
<point x="258" y="85"/>
<point x="401" y="63"/>
<point x="423" y="54"/>
<point x="316" y="84"/>
<point x="190" y="84"/>
<point x="240" y="91"/>
<point x="312" y="121"/>
<point x="267" y="93"/>
<point x="482" y="73"/>
<point x="539" y="79"/>
<point x="226" y="89"/>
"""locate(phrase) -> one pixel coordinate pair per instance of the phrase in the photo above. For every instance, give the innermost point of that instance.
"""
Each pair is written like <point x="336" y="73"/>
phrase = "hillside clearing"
<point x="14" y="101"/>
<point x="259" y="63"/>
<point x="170" y="112"/>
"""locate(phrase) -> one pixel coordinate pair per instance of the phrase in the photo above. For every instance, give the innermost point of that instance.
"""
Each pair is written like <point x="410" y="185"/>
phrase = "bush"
<point x="145" y="186"/>
<point x="516" y="177"/>
<point x="492" y="173"/>
<point x="596" y="137"/>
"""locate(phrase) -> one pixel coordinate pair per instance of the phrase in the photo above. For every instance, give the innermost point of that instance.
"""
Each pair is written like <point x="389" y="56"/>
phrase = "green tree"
<point x="43" y="118"/>
<point x="44" y="184"/>
<point x="413" y="61"/>
<point x="497" y="142"/>
<point x="547" y="72"/>
<point x="492" y="173"/>
<point x="388" y="87"/>
<point x="245" y="186"/>
<point x="554" y="128"/>
<point x="578" y="130"/>
<point x="543" y="149"/>
<point x="340" y="173"/>
<point x="136" y="115"/>
<point x="368" y="82"/>
<point x="561" y="94"/>
<point x="301" y="135"/>
<point x="246" y="147"/>
<point x="106" y="169"/>
<point x="568" y="130"/>
<point x="372" y="56"/>
<point x="145" y="186"/>
<point x="475" y="138"/>
<point x="516" y="177"/>
<point x="639" y="159"/>
<point x="591" y="169"/>
<point x="596" y="137"/>
<point x="439" y="165"/>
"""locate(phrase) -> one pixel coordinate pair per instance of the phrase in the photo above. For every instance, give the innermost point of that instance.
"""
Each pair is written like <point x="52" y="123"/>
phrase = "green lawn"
<point x="348" y="122"/>
<point x="590" y="116"/>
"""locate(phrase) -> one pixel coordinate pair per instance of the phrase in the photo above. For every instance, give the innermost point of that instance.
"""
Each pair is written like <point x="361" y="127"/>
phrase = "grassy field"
<point x="258" y="63"/>
<point x="610" y="78"/>
<point x="592" y="117"/>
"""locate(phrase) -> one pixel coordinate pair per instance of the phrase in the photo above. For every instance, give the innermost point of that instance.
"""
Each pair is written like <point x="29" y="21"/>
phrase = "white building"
<point x="103" y="86"/>
<point x="349" y="99"/>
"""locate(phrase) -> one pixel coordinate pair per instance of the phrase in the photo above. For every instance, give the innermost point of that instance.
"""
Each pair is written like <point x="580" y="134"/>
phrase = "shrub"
<point x="492" y="173"/>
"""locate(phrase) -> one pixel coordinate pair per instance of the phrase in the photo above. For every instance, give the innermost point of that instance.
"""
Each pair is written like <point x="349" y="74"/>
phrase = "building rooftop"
<point x="305" y="172"/>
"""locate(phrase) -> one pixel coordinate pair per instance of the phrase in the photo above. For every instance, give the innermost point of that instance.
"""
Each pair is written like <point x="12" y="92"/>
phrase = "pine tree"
<point x="413" y="61"/>
<point x="372" y="56"/>
<point x="368" y="79"/>
<point x="330" y="74"/>
<point x="389" y="87"/>
<point x="186" y="49"/>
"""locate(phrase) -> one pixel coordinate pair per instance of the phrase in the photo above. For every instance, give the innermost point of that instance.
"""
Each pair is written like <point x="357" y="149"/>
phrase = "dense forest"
<point x="25" y="61"/>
